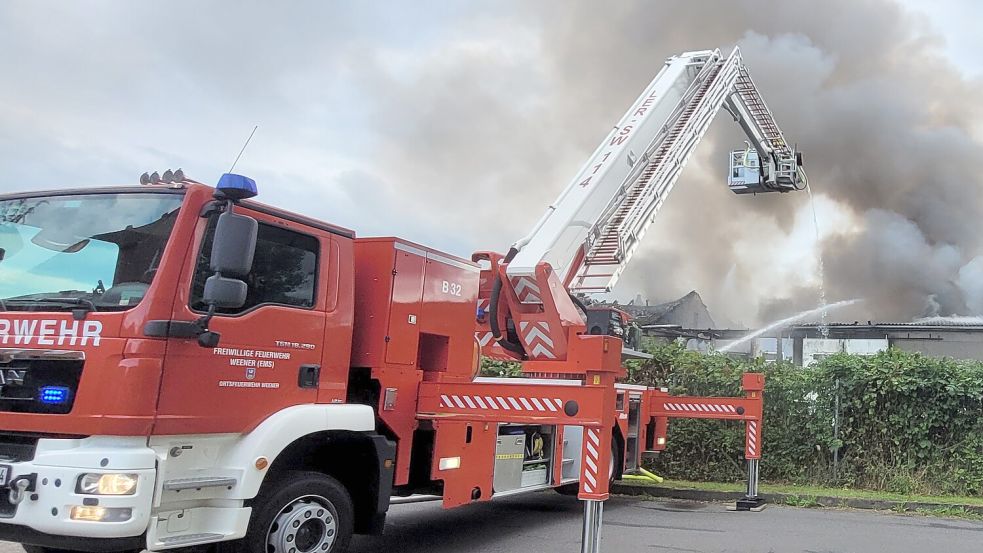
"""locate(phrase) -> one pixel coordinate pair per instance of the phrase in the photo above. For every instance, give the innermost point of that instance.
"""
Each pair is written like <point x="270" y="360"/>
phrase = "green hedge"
<point x="907" y="423"/>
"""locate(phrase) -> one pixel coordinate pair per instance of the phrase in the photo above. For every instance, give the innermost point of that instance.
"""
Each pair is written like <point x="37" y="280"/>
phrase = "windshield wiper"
<point x="77" y="313"/>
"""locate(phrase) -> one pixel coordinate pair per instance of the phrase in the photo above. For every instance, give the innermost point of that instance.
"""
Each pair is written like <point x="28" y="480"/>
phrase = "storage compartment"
<point x="509" y="454"/>
<point x="414" y="307"/>
<point x="535" y="477"/>
<point x="573" y="439"/>
<point x="631" y="441"/>
<point x="524" y="456"/>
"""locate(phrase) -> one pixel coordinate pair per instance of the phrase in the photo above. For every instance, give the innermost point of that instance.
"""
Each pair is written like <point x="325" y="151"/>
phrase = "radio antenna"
<point x="243" y="148"/>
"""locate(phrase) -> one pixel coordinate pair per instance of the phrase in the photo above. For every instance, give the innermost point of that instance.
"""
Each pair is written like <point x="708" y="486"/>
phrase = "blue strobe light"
<point x="237" y="187"/>
<point x="54" y="395"/>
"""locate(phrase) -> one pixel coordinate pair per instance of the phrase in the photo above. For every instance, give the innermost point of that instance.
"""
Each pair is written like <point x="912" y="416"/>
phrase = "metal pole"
<point x="836" y="430"/>
<point x="751" y="501"/>
<point x="591" y="539"/>
<point x="752" y="478"/>
<point x="780" y="348"/>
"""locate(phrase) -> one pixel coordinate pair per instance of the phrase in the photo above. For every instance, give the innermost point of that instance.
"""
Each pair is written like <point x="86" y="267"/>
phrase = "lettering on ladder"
<point x="49" y="332"/>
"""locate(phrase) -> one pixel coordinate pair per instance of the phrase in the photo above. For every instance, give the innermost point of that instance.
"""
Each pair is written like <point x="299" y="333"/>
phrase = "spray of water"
<point x="821" y="310"/>
<point x="824" y="315"/>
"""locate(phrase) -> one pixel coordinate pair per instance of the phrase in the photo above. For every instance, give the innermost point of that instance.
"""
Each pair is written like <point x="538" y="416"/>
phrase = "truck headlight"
<point x="107" y="484"/>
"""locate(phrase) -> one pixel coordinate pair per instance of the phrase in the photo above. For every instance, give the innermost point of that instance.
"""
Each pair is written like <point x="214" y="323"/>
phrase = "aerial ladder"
<point x="530" y="306"/>
<point x="586" y="238"/>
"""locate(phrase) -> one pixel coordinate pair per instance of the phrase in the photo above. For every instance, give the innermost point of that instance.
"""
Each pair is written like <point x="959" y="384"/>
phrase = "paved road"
<point x="548" y="522"/>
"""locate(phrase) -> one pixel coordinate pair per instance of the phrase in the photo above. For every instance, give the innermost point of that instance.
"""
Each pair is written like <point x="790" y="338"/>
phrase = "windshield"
<point x="93" y="251"/>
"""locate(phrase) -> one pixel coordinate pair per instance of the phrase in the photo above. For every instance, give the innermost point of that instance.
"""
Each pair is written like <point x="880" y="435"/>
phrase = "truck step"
<point x="190" y="539"/>
<point x="179" y="484"/>
<point x="418" y="498"/>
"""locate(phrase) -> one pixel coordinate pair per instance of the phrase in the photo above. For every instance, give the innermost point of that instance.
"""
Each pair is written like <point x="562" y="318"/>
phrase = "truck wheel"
<point x="300" y="512"/>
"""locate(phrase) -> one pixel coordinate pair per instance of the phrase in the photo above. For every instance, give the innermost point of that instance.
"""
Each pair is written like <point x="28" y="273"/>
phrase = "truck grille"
<point x="17" y="448"/>
<point x="26" y="375"/>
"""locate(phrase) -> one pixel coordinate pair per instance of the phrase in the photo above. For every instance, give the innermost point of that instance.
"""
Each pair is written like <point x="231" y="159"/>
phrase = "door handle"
<point x="309" y="376"/>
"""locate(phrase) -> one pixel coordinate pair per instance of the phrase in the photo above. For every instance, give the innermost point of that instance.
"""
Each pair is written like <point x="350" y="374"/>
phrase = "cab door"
<point x="269" y="354"/>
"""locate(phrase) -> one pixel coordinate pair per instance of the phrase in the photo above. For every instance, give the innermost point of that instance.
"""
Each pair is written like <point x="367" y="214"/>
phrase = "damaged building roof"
<point x="688" y="311"/>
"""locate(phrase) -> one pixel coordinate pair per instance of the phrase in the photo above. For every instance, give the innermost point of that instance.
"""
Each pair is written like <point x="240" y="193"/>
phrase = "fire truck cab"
<point x="171" y="364"/>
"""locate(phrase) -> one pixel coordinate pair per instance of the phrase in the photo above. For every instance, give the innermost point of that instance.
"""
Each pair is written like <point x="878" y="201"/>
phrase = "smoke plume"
<point x="884" y="120"/>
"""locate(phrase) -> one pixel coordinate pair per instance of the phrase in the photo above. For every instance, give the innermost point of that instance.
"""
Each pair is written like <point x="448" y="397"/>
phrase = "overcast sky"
<point x="455" y="123"/>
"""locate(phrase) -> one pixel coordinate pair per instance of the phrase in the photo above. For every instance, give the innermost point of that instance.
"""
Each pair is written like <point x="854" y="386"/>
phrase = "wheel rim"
<point x="305" y="525"/>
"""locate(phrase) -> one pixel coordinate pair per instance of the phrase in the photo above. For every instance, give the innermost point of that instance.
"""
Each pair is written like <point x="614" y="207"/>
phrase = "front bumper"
<point x="23" y="534"/>
<point x="43" y="516"/>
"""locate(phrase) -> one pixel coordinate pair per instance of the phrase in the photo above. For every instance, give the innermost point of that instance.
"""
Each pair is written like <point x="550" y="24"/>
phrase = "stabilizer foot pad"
<point x="754" y="504"/>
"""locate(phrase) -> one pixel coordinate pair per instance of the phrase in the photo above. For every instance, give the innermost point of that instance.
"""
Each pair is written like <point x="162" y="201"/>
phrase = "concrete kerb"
<point x="625" y="488"/>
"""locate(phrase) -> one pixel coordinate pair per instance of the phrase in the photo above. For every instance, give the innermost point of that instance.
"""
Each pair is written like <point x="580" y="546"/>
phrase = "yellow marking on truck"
<point x="503" y="456"/>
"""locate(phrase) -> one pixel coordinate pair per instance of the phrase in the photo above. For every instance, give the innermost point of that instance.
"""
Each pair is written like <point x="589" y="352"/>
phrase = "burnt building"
<point x="688" y="311"/>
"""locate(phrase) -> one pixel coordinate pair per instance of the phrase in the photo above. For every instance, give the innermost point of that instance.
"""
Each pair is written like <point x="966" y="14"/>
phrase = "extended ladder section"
<point x="590" y="233"/>
<point x="781" y="170"/>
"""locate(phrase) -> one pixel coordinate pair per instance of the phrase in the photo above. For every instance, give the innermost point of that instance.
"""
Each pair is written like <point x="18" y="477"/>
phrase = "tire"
<point x="300" y="512"/>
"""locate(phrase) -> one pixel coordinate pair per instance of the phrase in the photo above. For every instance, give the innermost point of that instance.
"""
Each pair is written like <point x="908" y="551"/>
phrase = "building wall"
<point x="815" y="349"/>
<point x="958" y="345"/>
<point x="936" y="342"/>
<point x="803" y="350"/>
<point x="768" y="348"/>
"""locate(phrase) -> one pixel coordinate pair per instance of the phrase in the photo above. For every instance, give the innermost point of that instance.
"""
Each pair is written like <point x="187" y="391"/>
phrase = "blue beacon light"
<point x="54" y="395"/>
<point x="236" y="187"/>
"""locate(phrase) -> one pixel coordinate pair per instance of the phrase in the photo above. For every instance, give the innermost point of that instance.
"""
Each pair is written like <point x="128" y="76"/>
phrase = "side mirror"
<point x="234" y="244"/>
<point x="225" y="293"/>
<point x="233" y="248"/>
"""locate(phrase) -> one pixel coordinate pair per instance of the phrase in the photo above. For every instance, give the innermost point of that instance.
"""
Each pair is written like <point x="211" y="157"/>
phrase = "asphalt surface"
<point x="548" y="522"/>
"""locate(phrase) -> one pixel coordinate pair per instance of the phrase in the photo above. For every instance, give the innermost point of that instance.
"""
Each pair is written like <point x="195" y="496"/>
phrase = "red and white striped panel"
<point x="591" y="461"/>
<point x="485" y="339"/>
<point x="518" y="404"/>
<point x="491" y="348"/>
<point x="536" y="338"/>
<point x="527" y="290"/>
<point x="483" y="303"/>
<point x="699" y="408"/>
<point x="751" y="449"/>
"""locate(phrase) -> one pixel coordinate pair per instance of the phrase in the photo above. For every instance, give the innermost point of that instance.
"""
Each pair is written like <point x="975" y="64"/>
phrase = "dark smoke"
<point x="884" y="120"/>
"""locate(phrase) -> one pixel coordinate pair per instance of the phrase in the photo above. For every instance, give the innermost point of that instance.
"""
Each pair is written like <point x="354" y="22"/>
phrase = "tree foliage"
<point x="906" y="423"/>
<point x="492" y="367"/>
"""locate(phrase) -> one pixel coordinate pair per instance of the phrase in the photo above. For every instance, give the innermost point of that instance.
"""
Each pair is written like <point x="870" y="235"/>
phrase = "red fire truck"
<point x="182" y="366"/>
